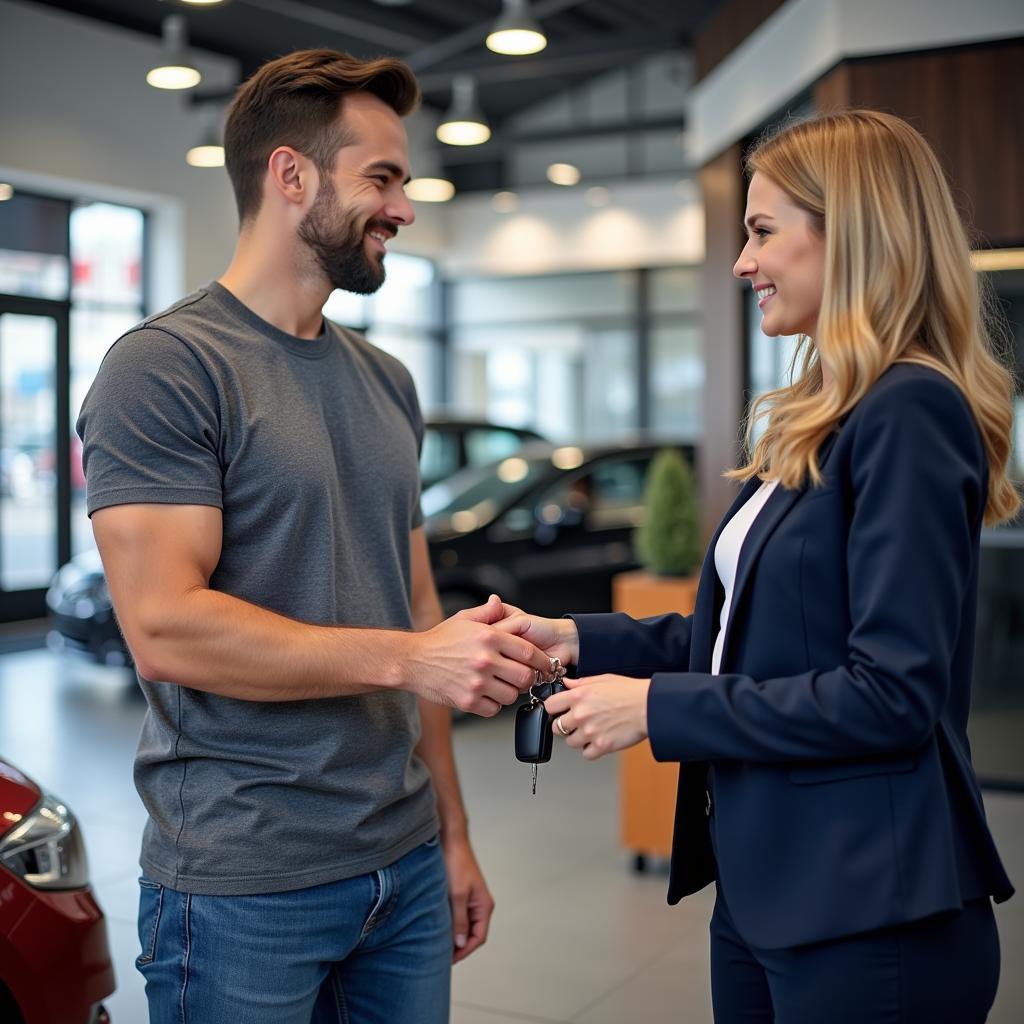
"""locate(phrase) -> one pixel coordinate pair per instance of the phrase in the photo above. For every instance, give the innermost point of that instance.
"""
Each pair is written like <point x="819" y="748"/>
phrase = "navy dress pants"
<point x="940" y="970"/>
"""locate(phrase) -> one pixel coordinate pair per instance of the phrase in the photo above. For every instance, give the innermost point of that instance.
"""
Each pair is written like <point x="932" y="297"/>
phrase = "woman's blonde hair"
<point x="898" y="287"/>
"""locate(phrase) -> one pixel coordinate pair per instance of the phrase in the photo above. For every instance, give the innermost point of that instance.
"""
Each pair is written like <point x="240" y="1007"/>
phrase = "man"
<point x="253" y="484"/>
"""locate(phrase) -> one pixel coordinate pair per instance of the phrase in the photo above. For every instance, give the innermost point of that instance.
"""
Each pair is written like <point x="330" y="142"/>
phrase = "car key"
<point x="533" y="739"/>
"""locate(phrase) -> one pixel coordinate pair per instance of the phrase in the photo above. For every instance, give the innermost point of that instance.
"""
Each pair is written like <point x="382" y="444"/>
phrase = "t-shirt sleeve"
<point x="149" y="426"/>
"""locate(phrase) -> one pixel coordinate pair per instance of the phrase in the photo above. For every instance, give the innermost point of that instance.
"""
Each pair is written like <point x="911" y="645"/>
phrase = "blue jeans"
<point x="375" y="949"/>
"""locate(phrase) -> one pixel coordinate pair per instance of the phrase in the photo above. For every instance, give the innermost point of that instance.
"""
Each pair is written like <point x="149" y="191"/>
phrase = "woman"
<point x="817" y="698"/>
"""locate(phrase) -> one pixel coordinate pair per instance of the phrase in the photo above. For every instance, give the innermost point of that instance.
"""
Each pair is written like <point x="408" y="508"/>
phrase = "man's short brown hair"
<point x="295" y="101"/>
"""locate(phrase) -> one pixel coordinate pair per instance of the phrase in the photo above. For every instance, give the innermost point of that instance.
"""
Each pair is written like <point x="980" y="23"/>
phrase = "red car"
<point x="55" y="963"/>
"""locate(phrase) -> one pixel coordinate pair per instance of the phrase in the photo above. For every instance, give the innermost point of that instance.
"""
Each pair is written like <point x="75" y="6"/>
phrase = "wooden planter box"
<point x="647" y="788"/>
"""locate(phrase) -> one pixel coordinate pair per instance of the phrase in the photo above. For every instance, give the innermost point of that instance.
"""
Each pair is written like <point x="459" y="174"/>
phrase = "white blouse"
<point x="727" y="557"/>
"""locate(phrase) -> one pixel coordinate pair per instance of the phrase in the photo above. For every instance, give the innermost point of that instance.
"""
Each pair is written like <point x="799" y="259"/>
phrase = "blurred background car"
<point x="546" y="528"/>
<point x="449" y="444"/>
<point x="55" y="965"/>
<point x="81" y="614"/>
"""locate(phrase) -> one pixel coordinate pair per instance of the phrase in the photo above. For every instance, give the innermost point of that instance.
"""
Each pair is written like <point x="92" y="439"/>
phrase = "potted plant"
<point x="670" y="547"/>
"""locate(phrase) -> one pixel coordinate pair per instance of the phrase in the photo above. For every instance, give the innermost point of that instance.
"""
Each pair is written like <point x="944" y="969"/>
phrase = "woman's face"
<point x="784" y="259"/>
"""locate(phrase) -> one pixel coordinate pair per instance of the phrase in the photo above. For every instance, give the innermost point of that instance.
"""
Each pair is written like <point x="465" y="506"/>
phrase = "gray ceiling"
<point x="439" y="38"/>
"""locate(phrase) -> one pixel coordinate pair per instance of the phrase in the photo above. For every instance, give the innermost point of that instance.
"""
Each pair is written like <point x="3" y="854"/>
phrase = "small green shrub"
<point x="668" y="543"/>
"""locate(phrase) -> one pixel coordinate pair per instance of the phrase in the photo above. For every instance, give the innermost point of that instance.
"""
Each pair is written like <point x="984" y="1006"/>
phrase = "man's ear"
<point x="292" y="176"/>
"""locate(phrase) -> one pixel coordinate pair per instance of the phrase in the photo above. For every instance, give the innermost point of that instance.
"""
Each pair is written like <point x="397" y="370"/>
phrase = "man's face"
<point x="363" y="203"/>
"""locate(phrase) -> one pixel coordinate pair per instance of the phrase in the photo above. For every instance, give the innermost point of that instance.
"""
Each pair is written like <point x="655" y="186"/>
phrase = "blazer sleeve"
<point x="918" y="477"/>
<point x="614" y="642"/>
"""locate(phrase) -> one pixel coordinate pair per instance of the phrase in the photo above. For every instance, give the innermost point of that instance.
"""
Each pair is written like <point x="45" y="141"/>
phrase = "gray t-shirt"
<point x="310" y="448"/>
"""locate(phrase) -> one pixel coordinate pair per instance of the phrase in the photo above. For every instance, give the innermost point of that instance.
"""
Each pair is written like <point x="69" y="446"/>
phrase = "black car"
<point x="546" y="528"/>
<point x="450" y="444"/>
<point x="81" y="613"/>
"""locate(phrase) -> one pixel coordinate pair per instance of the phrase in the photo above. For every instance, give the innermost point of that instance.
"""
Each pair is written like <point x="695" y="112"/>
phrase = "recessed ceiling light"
<point x="563" y="174"/>
<point x="6" y="191"/>
<point x="504" y="202"/>
<point x="430" y="190"/>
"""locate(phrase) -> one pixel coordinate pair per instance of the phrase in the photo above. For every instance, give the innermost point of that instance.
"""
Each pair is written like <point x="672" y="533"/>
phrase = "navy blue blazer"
<point x="842" y="793"/>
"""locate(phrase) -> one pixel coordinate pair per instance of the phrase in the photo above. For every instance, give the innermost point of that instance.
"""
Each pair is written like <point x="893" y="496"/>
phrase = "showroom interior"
<point x="572" y="276"/>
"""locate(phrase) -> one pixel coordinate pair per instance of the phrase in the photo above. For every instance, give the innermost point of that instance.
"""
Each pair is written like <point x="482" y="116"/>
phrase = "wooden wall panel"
<point x="726" y="29"/>
<point x="724" y="351"/>
<point x="968" y="104"/>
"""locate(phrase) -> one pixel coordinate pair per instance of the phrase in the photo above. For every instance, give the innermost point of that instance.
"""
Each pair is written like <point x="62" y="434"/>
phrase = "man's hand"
<point x="466" y="663"/>
<point x="602" y="714"/>
<point x="471" y="900"/>
<point x="557" y="638"/>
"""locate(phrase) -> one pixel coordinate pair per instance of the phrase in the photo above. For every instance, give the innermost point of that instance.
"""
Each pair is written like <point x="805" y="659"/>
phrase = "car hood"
<point x="18" y="795"/>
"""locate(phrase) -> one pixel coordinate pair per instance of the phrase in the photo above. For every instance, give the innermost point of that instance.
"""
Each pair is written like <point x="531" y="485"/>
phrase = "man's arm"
<point x="158" y="561"/>
<point x="472" y="903"/>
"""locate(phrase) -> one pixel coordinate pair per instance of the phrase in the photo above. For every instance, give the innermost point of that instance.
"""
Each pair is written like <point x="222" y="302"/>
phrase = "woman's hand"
<point x="601" y="714"/>
<point x="557" y="638"/>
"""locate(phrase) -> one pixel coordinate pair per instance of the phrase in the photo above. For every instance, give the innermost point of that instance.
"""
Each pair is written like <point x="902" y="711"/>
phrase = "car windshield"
<point x="482" y="492"/>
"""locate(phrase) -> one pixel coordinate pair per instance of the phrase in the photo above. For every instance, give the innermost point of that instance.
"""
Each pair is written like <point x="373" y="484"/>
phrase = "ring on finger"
<point x="560" y="727"/>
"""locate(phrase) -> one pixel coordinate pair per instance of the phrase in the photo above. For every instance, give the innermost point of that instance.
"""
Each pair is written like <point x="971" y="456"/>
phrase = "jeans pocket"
<point x="435" y="841"/>
<point x="151" y="904"/>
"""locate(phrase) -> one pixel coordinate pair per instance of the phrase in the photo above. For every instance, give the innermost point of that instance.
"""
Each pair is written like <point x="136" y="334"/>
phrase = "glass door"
<point x="34" y="445"/>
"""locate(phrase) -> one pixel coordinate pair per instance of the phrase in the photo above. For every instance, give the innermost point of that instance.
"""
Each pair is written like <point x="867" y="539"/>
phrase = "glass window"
<point x="28" y="358"/>
<point x="570" y="381"/>
<point x="564" y="296"/>
<point x="676" y="290"/>
<point x="483" y="446"/>
<point x="106" y="254"/>
<point x="34" y="246"/>
<point x="677" y="379"/>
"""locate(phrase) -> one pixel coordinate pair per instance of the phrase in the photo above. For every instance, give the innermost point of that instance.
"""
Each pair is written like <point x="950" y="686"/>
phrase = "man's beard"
<point x="337" y="244"/>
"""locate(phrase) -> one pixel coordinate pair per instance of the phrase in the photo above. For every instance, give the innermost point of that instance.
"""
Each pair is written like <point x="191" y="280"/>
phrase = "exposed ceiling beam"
<point x="504" y="141"/>
<point x="401" y="42"/>
<point x="540" y="66"/>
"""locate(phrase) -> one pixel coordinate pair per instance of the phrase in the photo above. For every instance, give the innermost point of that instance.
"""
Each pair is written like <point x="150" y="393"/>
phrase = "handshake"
<point x="483" y="658"/>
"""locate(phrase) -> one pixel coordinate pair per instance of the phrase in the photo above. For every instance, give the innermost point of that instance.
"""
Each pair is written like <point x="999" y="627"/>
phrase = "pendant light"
<point x="516" y="32"/>
<point x="175" y="70"/>
<point x="209" y="150"/>
<point x="464" y="124"/>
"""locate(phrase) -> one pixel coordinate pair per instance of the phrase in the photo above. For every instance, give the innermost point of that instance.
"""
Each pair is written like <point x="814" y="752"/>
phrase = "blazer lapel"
<point x="763" y="526"/>
<point x="709" y="591"/>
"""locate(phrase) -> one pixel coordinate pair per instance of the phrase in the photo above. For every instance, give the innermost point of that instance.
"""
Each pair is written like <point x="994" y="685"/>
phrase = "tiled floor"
<point x="576" y="937"/>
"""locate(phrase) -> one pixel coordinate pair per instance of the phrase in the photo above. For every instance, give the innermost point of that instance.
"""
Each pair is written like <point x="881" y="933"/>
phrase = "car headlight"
<point x="46" y="849"/>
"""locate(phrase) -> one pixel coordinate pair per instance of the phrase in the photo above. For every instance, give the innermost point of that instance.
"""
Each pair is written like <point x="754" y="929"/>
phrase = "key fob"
<point x="533" y="734"/>
<point x="533" y="726"/>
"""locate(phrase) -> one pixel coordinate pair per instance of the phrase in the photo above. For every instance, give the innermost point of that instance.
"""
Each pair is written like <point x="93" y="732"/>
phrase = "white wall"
<point x="648" y="223"/>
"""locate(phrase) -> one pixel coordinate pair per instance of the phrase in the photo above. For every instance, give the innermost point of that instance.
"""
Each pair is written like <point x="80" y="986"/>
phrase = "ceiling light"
<point x="209" y="151"/>
<point x="504" y="202"/>
<point x="598" y="195"/>
<point x="563" y="174"/>
<point x="515" y="32"/>
<point x="203" y="3"/>
<point x="430" y="190"/>
<point x="175" y="70"/>
<point x="6" y="191"/>
<point x="464" y="124"/>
